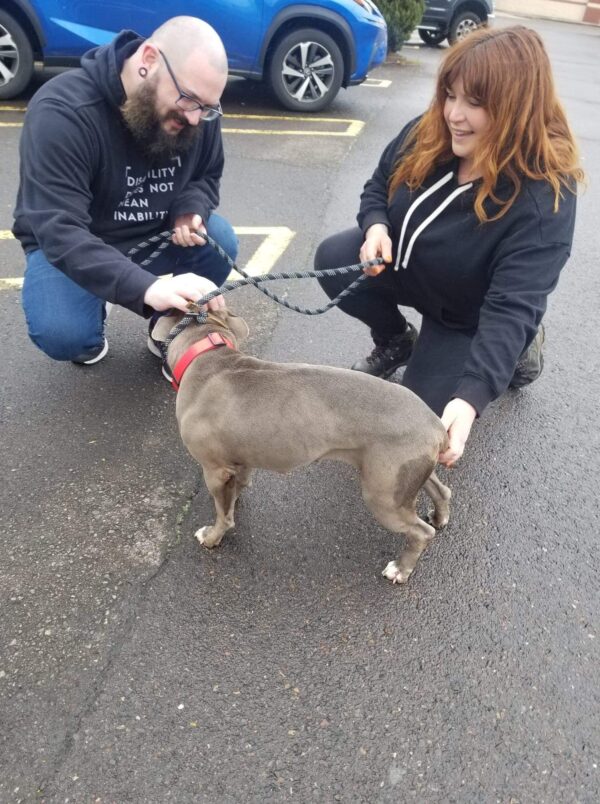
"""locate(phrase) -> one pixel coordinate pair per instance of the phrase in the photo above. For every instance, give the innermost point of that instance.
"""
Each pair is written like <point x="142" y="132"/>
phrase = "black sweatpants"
<point x="440" y="353"/>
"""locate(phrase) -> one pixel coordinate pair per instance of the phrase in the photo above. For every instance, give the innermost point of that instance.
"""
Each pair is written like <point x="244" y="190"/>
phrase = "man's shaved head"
<point x="184" y="58"/>
<point x="182" y="37"/>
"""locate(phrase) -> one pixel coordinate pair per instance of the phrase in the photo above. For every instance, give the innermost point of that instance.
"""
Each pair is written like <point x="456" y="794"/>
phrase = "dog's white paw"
<point x="204" y="536"/>
<point x="394" y="573"/>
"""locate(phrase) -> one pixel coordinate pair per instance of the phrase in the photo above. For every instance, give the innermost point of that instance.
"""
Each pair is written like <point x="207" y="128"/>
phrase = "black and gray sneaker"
<point x="154" y="347"/>
<point x="531" y="362"/>
<point x="389" y="354"/>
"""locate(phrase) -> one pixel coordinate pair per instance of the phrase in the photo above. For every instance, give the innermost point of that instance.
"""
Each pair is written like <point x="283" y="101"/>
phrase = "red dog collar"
<point x="212" y="341"/>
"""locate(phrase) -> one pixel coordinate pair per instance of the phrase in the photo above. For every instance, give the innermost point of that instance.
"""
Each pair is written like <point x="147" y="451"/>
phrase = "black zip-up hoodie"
<point x="87" y="193"/>
<point x="492" y="278"/>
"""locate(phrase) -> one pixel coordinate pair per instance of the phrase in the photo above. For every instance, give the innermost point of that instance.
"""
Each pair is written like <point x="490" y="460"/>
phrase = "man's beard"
<point x="146" y="125"/>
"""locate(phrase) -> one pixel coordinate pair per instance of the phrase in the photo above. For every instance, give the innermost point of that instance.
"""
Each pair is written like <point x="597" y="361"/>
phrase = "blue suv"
<point x="306" y="51"/>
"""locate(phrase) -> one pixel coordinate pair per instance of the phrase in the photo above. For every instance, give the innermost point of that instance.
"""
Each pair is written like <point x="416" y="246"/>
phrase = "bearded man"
<point x="112" y="153"/>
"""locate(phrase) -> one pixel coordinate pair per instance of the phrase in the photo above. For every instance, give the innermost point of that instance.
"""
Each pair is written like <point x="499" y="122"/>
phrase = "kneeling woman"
<point x="472" y="207"/>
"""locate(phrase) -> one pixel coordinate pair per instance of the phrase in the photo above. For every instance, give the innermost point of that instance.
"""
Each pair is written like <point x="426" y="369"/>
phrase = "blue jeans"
<point x="67" y="322"/>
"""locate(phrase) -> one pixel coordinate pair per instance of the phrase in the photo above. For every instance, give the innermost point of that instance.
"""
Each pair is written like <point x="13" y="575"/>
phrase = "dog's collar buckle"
<point x="212" y="341"/>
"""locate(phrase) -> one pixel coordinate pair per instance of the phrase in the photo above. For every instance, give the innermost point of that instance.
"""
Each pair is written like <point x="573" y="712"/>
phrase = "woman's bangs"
<point x="472" y="70"/>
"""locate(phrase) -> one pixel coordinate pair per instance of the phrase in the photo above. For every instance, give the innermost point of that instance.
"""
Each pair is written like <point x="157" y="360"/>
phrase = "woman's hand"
<point x="377" y="244"/>
<point x="457" y="418"/>
<point x="185" y="231"/>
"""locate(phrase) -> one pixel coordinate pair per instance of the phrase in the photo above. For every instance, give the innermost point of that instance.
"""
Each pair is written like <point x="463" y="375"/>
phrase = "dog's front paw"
<point x="208" y="536"/>
<point x="395" y="573"/>
<point x="438" y="521"/>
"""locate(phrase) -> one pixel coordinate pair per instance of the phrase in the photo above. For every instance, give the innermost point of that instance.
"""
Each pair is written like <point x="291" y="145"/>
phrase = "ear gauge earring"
<point x="143" y="72"/>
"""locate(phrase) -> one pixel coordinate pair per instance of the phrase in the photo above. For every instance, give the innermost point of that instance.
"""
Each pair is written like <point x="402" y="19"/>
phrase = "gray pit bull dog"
<point x="237" y="413"/>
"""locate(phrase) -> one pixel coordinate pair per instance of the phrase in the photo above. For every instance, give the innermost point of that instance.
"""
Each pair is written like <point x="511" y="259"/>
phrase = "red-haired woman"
<point x="472" y="207"/>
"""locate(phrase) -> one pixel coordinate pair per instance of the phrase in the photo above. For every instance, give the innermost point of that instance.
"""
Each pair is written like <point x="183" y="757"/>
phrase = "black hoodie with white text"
<point x="88" y="193"/>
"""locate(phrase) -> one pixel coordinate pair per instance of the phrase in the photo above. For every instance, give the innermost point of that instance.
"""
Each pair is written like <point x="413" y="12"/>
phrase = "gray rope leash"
<point x="256" y="281"/>
<point x="163" y="240"/>
<point x="200" y="317"/>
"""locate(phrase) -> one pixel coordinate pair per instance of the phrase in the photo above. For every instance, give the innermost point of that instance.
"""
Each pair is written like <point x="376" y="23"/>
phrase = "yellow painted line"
<point x="11" y="284"/>
<point x="275" y="241"/>
<point x="352" y="127"/>
<point x="379" y="83"/>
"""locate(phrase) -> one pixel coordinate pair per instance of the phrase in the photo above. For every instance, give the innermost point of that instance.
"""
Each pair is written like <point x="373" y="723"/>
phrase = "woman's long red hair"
<point x="508" y="72"/>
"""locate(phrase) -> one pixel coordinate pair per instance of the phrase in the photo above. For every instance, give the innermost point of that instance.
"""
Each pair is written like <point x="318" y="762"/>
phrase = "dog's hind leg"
<point x="418" y="535"/>
<point x="243" y="477"/>
<point x="224" y="488"/>
<point x="393" y="502"/>
<point x="440" y="497"/>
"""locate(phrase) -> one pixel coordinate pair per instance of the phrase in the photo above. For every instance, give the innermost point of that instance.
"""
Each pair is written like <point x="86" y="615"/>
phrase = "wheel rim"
<point x="308" y="72"/>
<point x="9" y="57"/>
<point x="465" y="27"/>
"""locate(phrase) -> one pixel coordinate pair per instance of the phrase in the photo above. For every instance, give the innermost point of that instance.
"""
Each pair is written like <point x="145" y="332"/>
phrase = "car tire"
<point x="306" y="70"/>
<point x="462" y="25"/>
<point x="432" y="38"/>
<point x="16" y="57"/>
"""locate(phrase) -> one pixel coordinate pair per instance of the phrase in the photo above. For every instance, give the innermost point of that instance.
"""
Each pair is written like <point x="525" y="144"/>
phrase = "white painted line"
<point x="11" y="125"/>
<point x="275" y="241"/>
<point x="379" y="83"/>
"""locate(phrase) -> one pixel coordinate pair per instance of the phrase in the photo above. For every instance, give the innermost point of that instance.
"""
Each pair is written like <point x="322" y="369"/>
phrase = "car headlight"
<point x="370" y="6"/>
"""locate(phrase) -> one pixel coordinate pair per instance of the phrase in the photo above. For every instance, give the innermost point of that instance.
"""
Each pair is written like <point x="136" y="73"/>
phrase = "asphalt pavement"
<point x="137" y="667"/>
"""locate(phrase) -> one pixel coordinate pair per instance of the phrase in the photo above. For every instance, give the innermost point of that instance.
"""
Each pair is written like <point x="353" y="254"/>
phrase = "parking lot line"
<point x="378" y="83"/>
<point x="351" y="127"/>
<point x="275" y="240"/>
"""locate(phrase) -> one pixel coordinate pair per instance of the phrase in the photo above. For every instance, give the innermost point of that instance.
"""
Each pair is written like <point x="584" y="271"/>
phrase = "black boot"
<point x="531" y="362"/>
<point x="389" y="353"/>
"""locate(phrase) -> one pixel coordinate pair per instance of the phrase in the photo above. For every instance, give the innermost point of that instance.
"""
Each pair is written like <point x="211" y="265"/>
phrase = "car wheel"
<point x="462" y="25"/>
<point x="16" y="57"/>
<point x="432" y="37"/>
<point x="306" y="70"/>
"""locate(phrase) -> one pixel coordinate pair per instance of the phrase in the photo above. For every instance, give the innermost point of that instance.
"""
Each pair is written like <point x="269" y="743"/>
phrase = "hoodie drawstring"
<point x="437" y="211"/>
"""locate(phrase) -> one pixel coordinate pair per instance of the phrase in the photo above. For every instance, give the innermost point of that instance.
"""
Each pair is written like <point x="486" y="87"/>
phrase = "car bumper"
<point x="371" y="50"/>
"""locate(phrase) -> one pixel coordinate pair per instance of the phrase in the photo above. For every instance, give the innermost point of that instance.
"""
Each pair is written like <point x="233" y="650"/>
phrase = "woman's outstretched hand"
<point x="457" y="418"/>
<point x="377" y="244"/>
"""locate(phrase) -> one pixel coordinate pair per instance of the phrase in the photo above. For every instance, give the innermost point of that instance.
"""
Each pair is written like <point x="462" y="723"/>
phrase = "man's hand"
<point x="185" y="228"/>
<point x="179" y="291"/>
<point x="457" y="418"/>
<point x="377" y="244"/>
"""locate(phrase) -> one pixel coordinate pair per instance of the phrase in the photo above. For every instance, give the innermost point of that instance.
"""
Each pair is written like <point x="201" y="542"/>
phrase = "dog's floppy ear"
<point x="238" y="326"/>
<point x="164" y="324"/>
<point x="228" y="320"/>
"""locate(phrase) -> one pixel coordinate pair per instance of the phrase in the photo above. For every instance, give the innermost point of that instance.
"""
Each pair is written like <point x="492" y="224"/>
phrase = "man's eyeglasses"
<point x="190" y="104"/>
